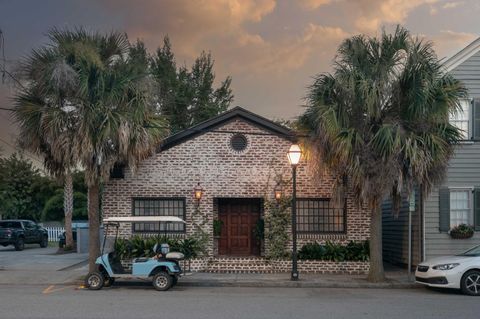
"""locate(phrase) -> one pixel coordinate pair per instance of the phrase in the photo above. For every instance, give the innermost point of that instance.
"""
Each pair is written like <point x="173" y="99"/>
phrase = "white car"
<point x="459" y="272"/>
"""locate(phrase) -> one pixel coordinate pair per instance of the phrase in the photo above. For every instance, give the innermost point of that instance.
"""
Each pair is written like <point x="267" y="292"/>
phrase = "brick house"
<point x="236" y="159"/>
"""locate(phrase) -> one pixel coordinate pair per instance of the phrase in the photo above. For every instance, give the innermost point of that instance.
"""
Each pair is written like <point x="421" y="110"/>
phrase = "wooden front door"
<point x="239" y="217"/>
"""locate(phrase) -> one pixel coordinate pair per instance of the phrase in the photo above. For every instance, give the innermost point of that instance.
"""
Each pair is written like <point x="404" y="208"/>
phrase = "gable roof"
<point x="462" y="55"/>
<point x="211" y="124"/>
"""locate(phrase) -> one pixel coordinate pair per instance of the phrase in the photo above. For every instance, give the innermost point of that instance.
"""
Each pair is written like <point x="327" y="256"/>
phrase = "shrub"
<point x="462" y="231"/>
<point x="138" y="246"/>
<point x="312" y="251"/>
<point x="353" y="251"/>
<point x="217" y="227"/>
<point x="277" y="219"/>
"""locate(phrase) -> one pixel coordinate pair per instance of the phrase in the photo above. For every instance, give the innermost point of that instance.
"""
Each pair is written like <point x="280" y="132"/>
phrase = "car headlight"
<point x="445" y="266"/>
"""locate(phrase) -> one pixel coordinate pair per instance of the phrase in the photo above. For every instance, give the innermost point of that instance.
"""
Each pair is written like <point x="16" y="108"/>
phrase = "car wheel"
<point x="471" y="283"/>
<point x="94" y="281"/>
<point x="108" y="281"/>
<point x="19" y="244"/>
<point x="162" y="281"/>
<point x="44" y="242"/>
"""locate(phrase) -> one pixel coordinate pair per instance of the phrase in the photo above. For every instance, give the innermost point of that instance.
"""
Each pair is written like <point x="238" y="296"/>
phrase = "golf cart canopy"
<point x="144" y="219"/>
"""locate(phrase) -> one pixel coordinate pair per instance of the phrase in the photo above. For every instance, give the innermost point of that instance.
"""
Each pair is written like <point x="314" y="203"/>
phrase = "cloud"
<point x="449" y="42"/>
<point x="313" y="4"/>
<point x="374" y="13"/>
<point x="191" y="22"/>
<point x="452" y="5"/>
<point x="253" y="55"/>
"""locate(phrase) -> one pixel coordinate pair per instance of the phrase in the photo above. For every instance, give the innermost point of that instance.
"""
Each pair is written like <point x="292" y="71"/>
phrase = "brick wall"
<point x="223" y="173"/>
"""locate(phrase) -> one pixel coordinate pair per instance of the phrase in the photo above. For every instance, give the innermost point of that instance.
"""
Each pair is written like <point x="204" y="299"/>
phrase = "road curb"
<point x="295" y="284"/>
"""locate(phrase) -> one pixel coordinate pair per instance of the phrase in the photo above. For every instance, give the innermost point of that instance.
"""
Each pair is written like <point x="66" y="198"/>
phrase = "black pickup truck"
<point x="18" y="232"/>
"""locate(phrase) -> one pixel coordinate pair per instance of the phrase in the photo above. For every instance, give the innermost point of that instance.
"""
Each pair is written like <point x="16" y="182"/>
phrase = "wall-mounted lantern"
<point x="278" y="192"/>
<point x="198" y="193"/>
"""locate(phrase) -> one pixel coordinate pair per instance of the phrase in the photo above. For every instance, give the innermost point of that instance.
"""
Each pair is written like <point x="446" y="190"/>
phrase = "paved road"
<point x="141" y="301"/>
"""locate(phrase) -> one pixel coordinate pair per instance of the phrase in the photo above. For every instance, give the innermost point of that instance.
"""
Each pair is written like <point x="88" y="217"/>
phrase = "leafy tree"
<point x="53" y="209"/>
<point x="380" y="122"/>
<point x="187" y="97"/>
<point x="23" y="190"/>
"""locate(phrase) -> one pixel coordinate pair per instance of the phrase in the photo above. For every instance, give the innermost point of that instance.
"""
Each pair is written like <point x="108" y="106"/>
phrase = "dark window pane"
<point x="159" y="207"/>
<point x="319" y="216"/>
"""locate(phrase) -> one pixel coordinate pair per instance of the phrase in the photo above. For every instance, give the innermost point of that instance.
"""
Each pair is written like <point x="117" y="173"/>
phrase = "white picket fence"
<point x="54" y="233"/>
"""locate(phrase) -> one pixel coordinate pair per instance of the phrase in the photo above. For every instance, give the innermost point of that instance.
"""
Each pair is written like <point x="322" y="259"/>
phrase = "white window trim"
<point x="470" y="122"/>
<point x="469" y="189"/>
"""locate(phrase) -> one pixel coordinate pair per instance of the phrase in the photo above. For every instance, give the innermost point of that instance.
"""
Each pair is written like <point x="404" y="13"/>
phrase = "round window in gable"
<point x="239" y="142"/>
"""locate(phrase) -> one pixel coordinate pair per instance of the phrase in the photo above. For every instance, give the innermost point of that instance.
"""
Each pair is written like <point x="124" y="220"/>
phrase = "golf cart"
<point x="163" y="269"/>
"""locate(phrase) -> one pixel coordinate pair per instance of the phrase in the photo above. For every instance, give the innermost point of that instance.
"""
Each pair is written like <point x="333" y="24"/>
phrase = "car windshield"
<point x="10" y="225"/>
<point x="474" y="252"/>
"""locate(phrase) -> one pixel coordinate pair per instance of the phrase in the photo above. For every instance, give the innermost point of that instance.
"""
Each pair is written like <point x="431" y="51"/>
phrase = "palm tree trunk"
<point x="376" y="273"/>
<point x="68" y="208"/>
<point x="93" y="226"/>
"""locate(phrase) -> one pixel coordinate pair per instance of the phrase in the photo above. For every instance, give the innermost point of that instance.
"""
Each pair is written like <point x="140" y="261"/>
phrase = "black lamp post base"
<point x="294" y="275"/>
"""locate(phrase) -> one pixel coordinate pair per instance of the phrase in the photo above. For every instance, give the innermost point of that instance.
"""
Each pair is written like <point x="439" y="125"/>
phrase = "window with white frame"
<point x="461" y="211"/>
<point x="462" y="119"/>
<point x="159" y="207"/>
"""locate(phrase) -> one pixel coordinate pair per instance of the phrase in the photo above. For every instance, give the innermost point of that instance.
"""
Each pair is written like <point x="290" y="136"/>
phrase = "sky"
<point x="272" y="49"/>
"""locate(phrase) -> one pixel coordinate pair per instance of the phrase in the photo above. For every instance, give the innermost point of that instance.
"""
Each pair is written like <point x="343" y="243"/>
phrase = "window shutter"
<point x="476" y="207"/>
<point x="476" y="119"/>
<point x="444" y="209"/>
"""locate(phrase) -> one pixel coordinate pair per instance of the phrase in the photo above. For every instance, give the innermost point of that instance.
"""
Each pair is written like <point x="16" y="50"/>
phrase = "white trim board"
<point x="462" y="55"/>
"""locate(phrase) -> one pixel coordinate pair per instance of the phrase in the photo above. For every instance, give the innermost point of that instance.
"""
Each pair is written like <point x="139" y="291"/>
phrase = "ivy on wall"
<point x="277" y="222"/>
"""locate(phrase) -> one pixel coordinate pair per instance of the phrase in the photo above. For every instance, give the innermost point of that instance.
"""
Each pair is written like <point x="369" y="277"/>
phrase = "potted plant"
<point x="217" y="228"/>
<point x="461" y="231"/>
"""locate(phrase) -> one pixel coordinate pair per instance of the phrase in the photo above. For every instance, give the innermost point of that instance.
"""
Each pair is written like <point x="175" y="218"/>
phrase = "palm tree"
<point x="46" y="125"/>
<point x="380" y="122"/>
<point x="111" y="108"/>
<point x="116" y="121"/>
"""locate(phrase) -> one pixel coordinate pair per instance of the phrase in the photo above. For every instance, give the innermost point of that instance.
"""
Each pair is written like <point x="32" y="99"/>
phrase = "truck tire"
<point x="162" y="281"/>
<point x="19" y="244"/>
<point x="44" y="242"/>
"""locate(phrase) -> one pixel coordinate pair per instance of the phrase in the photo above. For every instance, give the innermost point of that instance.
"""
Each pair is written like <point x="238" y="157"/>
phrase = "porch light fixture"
<point x="198" y="193"/>
<point x="294" y="154"/>
<point x="278" y="192"/>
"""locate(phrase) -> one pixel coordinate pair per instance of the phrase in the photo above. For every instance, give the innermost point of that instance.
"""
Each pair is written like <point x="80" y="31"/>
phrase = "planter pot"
<point x="460" y="235"/>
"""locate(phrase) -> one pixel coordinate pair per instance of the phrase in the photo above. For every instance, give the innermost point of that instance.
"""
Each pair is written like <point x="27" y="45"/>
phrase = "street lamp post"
<point x="294" y="154"/>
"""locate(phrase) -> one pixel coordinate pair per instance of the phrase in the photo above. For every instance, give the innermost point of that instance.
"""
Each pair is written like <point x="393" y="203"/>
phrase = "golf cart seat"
<point x="141" y="259"/>
<point x="175" y="256"/>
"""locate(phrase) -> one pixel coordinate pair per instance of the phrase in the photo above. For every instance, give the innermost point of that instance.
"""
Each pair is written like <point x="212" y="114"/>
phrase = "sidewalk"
<point x="394" y="280"/>
<point x="44" y="267"/>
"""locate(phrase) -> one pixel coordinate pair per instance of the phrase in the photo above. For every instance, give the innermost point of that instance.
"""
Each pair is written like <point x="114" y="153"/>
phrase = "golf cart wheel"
<point x="94" y="281"/>
<point x="471" y="283"/>
<point x="162" y="281"/>
<point x="19" y="244"/>
<point x="44" y="242"/>
<point x="108" y="281"/>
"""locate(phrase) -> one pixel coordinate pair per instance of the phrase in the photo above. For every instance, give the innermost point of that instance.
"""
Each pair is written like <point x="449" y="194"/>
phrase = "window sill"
<point x="339" y="236"/>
